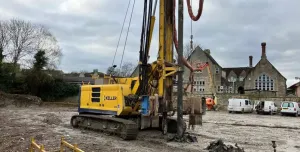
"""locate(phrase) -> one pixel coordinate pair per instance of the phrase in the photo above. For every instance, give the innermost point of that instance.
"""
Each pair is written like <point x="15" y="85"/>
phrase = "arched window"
<point x="264" y="82"/>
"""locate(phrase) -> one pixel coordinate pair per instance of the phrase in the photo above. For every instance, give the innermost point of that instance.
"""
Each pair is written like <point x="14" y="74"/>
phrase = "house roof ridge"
<point x="236" y="67"/>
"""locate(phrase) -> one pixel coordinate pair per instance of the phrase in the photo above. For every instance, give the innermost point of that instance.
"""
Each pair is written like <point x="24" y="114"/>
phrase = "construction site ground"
<point x="48" y="123"/>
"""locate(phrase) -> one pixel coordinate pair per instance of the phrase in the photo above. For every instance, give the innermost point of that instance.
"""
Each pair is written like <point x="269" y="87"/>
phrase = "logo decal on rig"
<point x="110" y="98"/>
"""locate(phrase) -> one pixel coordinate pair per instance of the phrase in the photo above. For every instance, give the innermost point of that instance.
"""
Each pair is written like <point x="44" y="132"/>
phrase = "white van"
<point x="266" y="107"/>
<point x="290" y="108"/>
<point x="239" y="105"/>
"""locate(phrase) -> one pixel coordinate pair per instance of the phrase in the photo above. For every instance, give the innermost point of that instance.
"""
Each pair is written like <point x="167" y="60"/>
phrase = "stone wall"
<point x="223" y="98"/>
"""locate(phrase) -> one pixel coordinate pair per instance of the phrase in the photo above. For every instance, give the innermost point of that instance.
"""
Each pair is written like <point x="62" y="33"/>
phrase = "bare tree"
<point x="187" y="51"/>
<point x="4" y="39"/>
<point x="27" y="38"/>
<point x="110" y="70"/>
<point x="49" y="43"/>
<point x="125" y="71"/>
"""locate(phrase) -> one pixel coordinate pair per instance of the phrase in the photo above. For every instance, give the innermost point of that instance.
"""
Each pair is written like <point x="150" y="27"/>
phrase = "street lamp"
<point x="233" y="80"/>
<point x="297" y="85"/>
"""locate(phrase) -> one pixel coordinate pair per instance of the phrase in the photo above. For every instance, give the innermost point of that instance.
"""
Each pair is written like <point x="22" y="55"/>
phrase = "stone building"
<point x="89" y="77"/>
<point x="201" y="78"/>
<point x="262" y="78"/>
<point x="294" y="89"/>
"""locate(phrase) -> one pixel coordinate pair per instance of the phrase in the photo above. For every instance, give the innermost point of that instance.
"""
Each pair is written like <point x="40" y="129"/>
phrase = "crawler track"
<point x="126" y="129"/>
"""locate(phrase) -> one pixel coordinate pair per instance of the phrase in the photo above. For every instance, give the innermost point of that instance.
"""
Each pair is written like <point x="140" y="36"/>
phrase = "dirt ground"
<point x="48" y="123"/>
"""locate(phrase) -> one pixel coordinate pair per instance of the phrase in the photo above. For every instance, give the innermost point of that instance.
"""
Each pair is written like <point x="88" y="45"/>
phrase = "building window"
<point x="200" y="89"/>
<point x="201" y="83"/>
<point x="264" y="82"/>
<point x="217" y="70"/>
<point x="220" y="89"/>
<point x="241" y="78"/>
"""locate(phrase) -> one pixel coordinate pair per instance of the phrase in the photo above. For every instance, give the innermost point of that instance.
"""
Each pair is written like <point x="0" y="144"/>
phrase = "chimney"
<point x="250" y="61"/>
<point x="263" y="50"/>
<point x="207" y="51"/>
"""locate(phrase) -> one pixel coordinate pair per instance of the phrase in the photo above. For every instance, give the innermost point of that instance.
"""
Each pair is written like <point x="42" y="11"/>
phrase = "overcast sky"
<point x="88" y="30"/>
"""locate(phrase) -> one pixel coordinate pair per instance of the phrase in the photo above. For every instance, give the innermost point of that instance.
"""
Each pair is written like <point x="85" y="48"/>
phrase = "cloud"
<point x="88" y="31"/>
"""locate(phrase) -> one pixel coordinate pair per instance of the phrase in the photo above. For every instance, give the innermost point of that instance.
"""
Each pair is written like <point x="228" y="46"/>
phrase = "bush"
<point x="58" y="90"/>
<point x="6" y="78"/>
<point x="35" y="82"/>
<point x="48" y="88"/>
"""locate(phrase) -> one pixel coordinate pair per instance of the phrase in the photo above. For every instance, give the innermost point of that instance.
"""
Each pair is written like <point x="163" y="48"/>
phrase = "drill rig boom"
<point x="126" y="105"/>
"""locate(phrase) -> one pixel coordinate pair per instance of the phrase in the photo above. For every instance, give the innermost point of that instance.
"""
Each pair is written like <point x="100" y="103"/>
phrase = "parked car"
<point x="263" y="107"/>
<point x="292" y="108"/>
<point x="239" y="105"/>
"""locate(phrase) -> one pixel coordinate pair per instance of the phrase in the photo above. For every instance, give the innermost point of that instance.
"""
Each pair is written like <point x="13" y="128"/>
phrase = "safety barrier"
<point x="34" y="146"/>
<point x="64" y="143"/>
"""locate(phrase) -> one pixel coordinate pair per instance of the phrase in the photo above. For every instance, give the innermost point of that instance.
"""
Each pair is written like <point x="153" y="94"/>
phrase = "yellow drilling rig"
<point x="126" y="105"/>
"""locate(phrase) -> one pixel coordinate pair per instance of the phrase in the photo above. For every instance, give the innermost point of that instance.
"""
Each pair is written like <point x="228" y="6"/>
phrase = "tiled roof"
<point x="294" y="85"/>
<point x="237" y="70"/>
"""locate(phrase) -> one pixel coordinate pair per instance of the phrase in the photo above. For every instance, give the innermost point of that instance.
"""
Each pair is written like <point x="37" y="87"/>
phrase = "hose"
<point x="185" y="62"/>
<point x="195" y="18"/>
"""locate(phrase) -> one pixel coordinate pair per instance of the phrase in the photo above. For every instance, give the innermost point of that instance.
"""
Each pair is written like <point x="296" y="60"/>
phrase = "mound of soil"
<point x="51" y="119"/>
<point x="219" y="146"/>
<point x="18" y="100"/>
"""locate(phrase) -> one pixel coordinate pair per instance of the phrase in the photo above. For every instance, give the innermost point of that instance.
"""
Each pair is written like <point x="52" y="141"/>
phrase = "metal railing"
<point x="63" y="144"/>
<point x="34" y="145"/>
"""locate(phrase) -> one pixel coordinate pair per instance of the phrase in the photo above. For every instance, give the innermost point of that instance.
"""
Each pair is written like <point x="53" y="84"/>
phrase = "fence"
<point x="63" y="143"/>
<point x="34" y="145"/>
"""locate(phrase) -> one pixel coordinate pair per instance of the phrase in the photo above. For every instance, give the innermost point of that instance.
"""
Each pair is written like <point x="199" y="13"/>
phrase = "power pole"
<point x="180" y="71"/>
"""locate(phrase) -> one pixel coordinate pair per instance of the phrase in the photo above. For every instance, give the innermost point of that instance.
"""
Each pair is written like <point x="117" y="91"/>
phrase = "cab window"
<point x="246" y="102"/>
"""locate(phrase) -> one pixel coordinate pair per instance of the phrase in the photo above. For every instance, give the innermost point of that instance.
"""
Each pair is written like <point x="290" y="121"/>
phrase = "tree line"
<point x="28" y="51"/>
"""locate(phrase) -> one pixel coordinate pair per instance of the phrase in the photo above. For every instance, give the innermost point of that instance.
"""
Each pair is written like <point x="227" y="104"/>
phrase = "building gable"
<point x="265" y="63"/>
<point x="243" y="74"/>
<point x="198" y="52"/>
<point x="231" y="74"/>
<point x="239" y="71"/>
